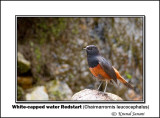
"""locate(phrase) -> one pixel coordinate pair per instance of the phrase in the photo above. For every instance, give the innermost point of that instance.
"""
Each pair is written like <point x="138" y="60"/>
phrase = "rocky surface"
<point x="38" y="93"/>
<point x="88" y="94"/>
<point x="23" y="65"/>
<point x="58" y="90"/>
<point x="20" y="93"/>
<point x="25" y="82"/>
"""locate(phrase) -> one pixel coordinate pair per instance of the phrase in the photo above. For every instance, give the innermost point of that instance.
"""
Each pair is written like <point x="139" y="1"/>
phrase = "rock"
<point x="38" y="93"/>
<point x="88" y="94"/>
<point x="23" y="65"/>
<point x="80" y="41"/>
<point x="58" y="90"/>
<point x="20" y="93"/>
<point x="25" y="82"/>
<point x="61" y="69"/>
<point x="131" y="95"/>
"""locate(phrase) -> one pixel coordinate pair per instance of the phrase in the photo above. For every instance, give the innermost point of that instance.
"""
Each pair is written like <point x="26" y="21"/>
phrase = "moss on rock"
<point x="20" y="93"/>
<point x="58" y="90"/>
<point x="23" y="65"/>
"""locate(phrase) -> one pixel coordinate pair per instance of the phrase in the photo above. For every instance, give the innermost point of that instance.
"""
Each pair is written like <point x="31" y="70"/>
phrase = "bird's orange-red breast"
<point x="101" y="68"/>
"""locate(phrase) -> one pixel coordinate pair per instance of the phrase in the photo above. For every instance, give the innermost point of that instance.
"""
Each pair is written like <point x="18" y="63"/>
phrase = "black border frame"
<point x="82" y="102"/>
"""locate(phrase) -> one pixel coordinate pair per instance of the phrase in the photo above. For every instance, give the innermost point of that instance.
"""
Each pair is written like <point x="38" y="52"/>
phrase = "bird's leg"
<point x="105" y="86"/>
<point x="100" y="85"/>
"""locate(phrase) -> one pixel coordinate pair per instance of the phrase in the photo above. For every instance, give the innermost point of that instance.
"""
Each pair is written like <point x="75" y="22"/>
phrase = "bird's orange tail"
<point x="122" y="80"/>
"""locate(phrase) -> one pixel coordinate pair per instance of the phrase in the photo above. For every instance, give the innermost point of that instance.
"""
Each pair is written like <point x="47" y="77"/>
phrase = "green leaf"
<point x="128" y="75"/>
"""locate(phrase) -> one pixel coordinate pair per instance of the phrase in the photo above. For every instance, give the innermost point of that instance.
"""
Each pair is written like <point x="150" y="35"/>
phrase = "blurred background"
<point x="51" y="62"/>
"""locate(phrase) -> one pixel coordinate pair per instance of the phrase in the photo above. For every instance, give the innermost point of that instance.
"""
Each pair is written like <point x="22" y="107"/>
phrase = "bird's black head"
<point x="92" y="50"/>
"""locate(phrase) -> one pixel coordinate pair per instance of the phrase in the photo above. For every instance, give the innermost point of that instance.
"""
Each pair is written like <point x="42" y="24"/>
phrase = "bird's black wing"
<point x="107" y="67"/>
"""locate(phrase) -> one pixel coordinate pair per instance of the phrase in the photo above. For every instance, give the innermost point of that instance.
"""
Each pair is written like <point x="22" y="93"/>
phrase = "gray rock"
<point x="61" y="69"/>
<point x="38" y="93"/>
<point x="23" y="65"/>
<point x="88" y="94"/>
<point x="58" y="90"/>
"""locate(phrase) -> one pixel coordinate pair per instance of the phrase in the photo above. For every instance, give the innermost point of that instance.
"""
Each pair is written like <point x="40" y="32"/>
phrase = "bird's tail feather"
<point x="122" y="80"/>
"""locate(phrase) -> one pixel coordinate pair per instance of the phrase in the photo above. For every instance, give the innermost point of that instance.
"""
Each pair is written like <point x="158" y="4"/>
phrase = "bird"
<point x="102" y="69"/>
